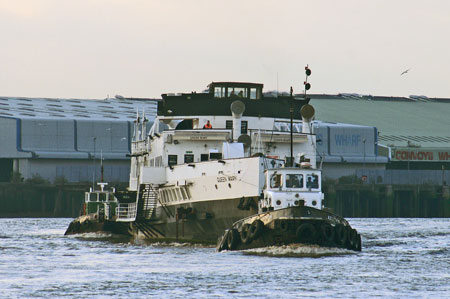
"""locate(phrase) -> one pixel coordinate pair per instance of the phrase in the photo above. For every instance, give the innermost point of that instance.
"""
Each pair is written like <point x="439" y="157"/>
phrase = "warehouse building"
<point x="68" y="139"/>
<point x="413" y="133"/>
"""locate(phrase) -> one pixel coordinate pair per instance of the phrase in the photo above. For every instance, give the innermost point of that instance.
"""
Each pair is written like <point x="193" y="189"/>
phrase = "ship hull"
<point x="291" y="225"/>
<point x="196" y="222"/>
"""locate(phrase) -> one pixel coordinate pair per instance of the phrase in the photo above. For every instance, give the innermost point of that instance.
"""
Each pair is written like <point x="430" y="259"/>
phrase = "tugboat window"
<point x="173" y="160"/>
<point x="204" y="157"/>
<point x="229" y="125"/>
<point x="275" y="181"/>
<point x="93" y="197"/>
<point x="102" y="197"/>
<point x="312" y="181"/>
<point x="294" y="181"/>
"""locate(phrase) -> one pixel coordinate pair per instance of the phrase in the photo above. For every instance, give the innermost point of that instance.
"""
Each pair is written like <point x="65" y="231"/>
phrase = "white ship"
<point x="209" y="160"/>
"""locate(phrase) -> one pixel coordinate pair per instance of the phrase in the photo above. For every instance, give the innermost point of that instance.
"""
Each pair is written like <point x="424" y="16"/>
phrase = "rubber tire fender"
<point x="245" y="234"/>
<point x="327" y="232"/>
<point x="256" y="229"/>
<point x="340" y="234"/>
<point x="352" y="239"/>
<point x="232" y="239"/>
<point x="284" y="226"/>
<point x="224" y="242"/>
<point x="306" y="233"/>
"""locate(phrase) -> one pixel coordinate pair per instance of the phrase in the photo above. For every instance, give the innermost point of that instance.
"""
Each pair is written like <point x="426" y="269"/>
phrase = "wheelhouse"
<point x="236" y="90"/>
<point x="293" y="179"/>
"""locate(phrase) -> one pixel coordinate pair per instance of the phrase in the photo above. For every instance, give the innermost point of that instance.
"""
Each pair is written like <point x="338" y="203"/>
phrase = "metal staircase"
<point x="148" y="198"/>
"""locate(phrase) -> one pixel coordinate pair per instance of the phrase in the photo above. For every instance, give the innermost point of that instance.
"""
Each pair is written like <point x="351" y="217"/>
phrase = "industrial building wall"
<point x="8" y="139"/>
<point x="47" y="134"/>
<point x="347" y="141"/>
<point x="337" y="170"/>
<point x="75" y="170"/>
<point x="105" y="136"/>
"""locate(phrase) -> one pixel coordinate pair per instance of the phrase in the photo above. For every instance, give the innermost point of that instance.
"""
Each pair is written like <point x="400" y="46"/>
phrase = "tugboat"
<point x="289" y="213"/>
<point x="202" y="165"/>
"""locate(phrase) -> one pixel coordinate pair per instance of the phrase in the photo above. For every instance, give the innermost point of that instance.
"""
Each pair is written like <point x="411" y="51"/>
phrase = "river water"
<point x="400" y="258"/>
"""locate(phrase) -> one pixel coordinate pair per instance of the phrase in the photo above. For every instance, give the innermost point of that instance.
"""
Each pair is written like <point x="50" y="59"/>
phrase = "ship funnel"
<point x="307" y="112"/>
<point x="237" y="109"/>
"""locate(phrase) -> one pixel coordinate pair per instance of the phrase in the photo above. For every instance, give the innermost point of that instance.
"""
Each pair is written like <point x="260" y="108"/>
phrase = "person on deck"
<point x="207" y="125"/>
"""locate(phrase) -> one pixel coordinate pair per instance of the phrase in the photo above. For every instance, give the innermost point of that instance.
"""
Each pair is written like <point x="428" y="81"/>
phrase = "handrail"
<point x="126" y="212"/>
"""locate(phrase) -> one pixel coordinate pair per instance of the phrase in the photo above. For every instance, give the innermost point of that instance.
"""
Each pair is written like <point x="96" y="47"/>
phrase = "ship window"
<point x="215" y="156"/>
<point x="255" y="94"/>
<point x="102" y="197"/>
<point x="275" y="181"/>
<point x="294" y="180"/>
<point x="173" y="160"/>
<point x="229" y="125"/>
<point x="244" y="127"/>
<point x="312" y="181"/>
<point x="238" y="92"/>
<point x="188" y="158"/>
<point x="93" y="197"/>
<point x="219" y="92"/>
<point x="204" y="157"/>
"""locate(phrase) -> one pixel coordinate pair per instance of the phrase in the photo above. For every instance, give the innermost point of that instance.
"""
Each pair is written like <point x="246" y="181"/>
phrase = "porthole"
<point x="216" y="186"/>
<point x="314" y="203"/>
<point x="229" y="185"/>
<point x="278" y="202"/>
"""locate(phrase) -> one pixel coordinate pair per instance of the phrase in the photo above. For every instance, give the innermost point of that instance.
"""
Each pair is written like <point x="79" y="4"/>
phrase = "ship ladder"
<point x="148" y="198"/>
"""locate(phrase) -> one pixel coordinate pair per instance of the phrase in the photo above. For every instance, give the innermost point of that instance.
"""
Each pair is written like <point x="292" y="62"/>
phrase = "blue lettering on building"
<point x="347" y="140"/>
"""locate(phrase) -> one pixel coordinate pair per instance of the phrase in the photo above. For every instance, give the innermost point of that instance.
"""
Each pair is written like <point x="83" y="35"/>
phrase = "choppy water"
<point x="402" y="258"/>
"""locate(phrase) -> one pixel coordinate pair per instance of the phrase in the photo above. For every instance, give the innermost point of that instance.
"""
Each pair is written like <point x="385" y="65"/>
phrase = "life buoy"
<point x="340" y="234"/>
<point x="256" y="229"/>
<point x="327" y="232"/>
<point x="232" y="239"/>
<point x="306" y="233"/>
<point x="244" y="234"/>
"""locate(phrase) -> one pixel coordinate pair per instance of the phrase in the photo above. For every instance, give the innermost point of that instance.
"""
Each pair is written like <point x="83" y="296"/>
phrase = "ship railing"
<point x="139" y="146"/>
<point x="126" y="212"/>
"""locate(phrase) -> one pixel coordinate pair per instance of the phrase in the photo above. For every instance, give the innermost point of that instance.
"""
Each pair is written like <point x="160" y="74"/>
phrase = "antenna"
<point x="277" y="84"/>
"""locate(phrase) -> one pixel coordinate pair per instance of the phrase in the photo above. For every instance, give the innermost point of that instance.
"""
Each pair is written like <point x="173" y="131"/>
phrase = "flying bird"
<point x="404" y="72"/>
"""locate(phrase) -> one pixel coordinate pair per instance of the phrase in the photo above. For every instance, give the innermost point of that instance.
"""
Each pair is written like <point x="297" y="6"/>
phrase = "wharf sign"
<point x="420" y="154"/>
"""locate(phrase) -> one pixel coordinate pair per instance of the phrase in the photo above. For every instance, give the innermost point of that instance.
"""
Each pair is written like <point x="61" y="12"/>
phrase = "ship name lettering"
<point x="232" y="178"/>
<point x="221" y="179"/>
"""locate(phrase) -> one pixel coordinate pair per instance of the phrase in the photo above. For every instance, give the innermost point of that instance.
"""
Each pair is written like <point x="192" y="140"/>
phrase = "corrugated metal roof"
<point x="107" y="109"/>
<point x="399" y="122"/>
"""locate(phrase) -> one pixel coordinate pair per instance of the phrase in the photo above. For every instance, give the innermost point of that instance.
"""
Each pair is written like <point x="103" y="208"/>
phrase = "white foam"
<point x="297" y="250"/>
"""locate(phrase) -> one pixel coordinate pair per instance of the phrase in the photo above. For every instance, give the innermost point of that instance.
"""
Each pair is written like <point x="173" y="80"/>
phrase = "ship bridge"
<point x="217" y="99"/>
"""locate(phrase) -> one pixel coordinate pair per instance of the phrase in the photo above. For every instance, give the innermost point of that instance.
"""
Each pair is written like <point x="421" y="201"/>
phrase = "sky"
<point x="143" y="48"/>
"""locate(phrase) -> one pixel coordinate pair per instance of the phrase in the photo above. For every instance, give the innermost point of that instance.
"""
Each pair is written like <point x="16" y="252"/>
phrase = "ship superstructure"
<point x="213" y="158"/>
